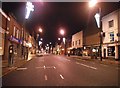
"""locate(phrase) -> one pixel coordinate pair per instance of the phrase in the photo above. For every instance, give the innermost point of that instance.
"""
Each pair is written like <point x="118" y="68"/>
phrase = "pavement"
<point x="17" y="62"/>
<point x="104" y="61"/>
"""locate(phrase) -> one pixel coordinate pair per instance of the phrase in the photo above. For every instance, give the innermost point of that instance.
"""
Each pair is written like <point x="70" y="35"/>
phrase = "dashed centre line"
<point x="44" y="66"/>
<point x="61" y="76"/>
<point x="46" y="77"/>
<point x="54" y="67"/>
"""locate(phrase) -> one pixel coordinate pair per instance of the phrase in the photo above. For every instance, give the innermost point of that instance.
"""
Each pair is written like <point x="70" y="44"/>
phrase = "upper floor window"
<point x="76" y="43"/>
<point x="73" y="43"/>
<point x="111" y="36"/>
<point x="79" y="41"/>
<point x="111" y="23"/>
<point x="22" y="33"/>
<point x="17" y="35"/>
<point x="14" y="31"/>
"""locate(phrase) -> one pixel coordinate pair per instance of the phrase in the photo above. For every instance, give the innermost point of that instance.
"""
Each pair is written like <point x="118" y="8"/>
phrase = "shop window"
<point x="111" y="23"/>
<point x="111" y="36"/>
<point x="111" y="51"/>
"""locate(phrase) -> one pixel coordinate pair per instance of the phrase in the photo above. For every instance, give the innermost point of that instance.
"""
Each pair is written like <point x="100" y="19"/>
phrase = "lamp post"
<point x="62" y="32"/>
<point x="29" y="8"/>
<point x="39" y="40"/>
<point x="93" y="3"/>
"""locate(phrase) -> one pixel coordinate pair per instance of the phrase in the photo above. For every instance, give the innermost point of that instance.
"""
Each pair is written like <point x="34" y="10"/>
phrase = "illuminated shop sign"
<point x="15" y="40"/>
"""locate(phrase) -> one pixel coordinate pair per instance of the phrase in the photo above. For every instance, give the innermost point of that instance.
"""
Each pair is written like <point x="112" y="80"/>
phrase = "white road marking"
<point x="21" y="69"/>
<point x="54" y="67"/>
<point x="13" y="68"/>
<point x="44" y="66"/>
<point x="61" y="76"/>
<point x="89" y="66"/>
<point x="77" y="63"/>
<point x="46" y="77"/>
<point x="38" y="67"/>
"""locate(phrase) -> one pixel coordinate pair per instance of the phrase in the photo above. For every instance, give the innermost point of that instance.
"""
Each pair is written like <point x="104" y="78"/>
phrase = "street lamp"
<point x="93" y="3"/>
<point x="58" y="38"/>
<point x="29" y="8"/>
<point x="62" y="32"/>
<point x="40" y="30"/>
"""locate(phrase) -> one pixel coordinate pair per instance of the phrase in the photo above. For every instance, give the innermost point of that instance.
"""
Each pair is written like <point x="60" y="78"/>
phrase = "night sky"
<point x="51" y="16"/>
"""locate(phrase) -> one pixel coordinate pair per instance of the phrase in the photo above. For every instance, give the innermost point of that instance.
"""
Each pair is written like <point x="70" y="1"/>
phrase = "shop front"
<point x="111" y="51"/>
<point x="17" y="46"/>
<point x="2" y="41"/>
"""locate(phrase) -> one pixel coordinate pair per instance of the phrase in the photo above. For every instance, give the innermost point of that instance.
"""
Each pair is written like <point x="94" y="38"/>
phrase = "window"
<point x="79" y="41"/>
<point x="76" y="43"/>
<point x="111" y="36"/>
<point x="14" y="30"/>
<point x="17" y="35"/>
<point x="22" y="32"/>
<point x="111" y="23"/>
<point x="73" y="43"/>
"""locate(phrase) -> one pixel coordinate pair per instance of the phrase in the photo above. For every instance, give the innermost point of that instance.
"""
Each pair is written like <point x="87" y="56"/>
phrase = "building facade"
<point x="77" y="43"/>
<point x="111" y="41"/>
<point x="4" y="31"/>
<point x="15" y="35"/>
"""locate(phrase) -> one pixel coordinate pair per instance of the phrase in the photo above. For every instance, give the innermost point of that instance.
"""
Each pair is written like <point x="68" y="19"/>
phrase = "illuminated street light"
<point x="41" y="39"/>
<point x="40" y="43"/>
<point x="62" y="32"/>
<point x="58" y="38"/>
<point x="29" y="8"/>
<point x="40" y="30"/>
<point x="92" y="3"/>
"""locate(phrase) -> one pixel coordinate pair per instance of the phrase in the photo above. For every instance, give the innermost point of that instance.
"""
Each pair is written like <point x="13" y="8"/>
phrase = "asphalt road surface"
<point x="56" y="70"/>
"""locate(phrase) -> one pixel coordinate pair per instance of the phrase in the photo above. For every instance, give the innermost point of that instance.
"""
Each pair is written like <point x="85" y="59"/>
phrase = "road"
<point x="56" y="70"/>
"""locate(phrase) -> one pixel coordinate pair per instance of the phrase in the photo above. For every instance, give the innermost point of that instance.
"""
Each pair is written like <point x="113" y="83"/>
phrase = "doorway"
<point x="104" y="53"/>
